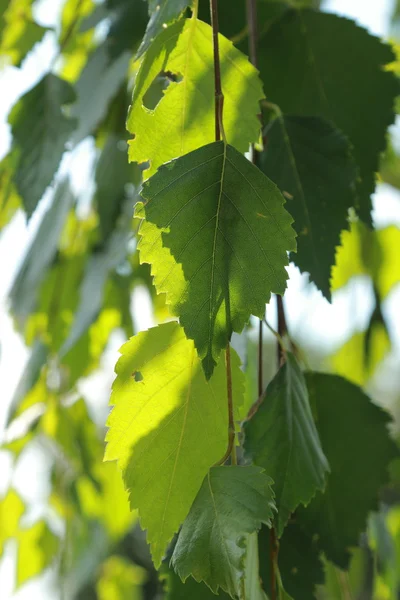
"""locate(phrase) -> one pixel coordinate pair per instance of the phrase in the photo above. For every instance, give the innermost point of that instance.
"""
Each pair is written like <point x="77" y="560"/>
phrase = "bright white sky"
<point x="309" y="313"/>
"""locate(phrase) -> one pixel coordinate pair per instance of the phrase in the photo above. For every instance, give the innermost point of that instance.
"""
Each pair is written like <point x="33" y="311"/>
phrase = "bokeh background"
<point x="84" y="521"/>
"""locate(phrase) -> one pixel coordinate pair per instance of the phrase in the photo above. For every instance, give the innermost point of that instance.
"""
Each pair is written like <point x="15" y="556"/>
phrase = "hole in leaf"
<point x="156" y="90"/>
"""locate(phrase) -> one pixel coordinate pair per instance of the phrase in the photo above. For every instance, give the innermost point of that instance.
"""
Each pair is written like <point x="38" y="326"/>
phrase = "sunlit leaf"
<point x="11" y="510"/>
<point x="216" y="233"/>
<point x="120" y="579"/>
<point x="159" y="395"/>
<point x="232" y="502"/>
<point x="37" y="549"/>
<point x="19" y="31"/>
<point x="184" y="119"/>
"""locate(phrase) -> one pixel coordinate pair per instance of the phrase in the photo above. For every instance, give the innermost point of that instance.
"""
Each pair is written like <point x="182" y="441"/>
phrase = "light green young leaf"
<point x="37" y="549"/>
<point x="232" y="503"/>
<point x="40" y="131"/>
<point x="355" y="439"/>
<point x="282" y="438"/>
<point x="162" y="12"/>
<point x="11" y="510"/>
<point x="19" y="32"/>
<point x="310" y="162"/>
<point x="168" y="426"/>
<point x="184" y="119"/>
<point x="335" y="67"/>
<point x="216" y="233"/>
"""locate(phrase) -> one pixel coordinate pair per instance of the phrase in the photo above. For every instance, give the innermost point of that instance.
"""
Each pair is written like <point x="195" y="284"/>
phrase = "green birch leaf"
<point x="216" y="233"/>
<point x="335" y="67"/>
<point x="40" y="131"/>
<point x="232" y="503"/>
<point x="184" y="118"/>
<point x="175" y="589"/>
<point x="299" y="562"/>
<point x="356" y="441"/>
<point x="162" y="12"/>
<point x="282" y="438"/>
<point x="19" y="32"/>
<point x="37" y="550"/>
<point x="168" y="426"/>
<point x="310" y="162"/>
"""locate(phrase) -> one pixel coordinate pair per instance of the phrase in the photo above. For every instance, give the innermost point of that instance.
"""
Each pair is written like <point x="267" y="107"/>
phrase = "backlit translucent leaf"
<point x="310" y="162"/>
<point x="40" y="131"/>
<point x="232" y="503"/>
<point x="19" y="32"/>
<point x="11" y="510"/>
<point x="336" y="65"/>
<point x="168" y="426"/>
<point x="350" y="360"/>
<point x="184" y="119"/>
<point x="120" y="579"/>
<point x="9" y="199"/>
<point x="355" y="439"/>
<point x="37" y="549"/>
<point x="373" y="253"/>
<point x="162" y="12"/>
<point x="282" y="438"/>
<point x="216" y="234"/>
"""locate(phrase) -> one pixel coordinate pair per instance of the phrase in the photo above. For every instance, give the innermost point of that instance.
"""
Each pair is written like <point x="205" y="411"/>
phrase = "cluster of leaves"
<point x="216" y="233"/>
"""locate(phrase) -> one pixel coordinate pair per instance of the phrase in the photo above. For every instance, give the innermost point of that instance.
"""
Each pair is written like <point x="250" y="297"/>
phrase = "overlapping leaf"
<point x="162" y="12"/>
<point x="168" y="426"/>
<point x="299" y="562"/>
<point x="355" y="439"/>
<point x="335" y="67"/>
<point x="310" y="162"/>
<point x="40" y="131"/>
<point x="232" y="503"/>
<point x="184" y="118"/>
<point x="282" y="438"/>
<point x="216" y="233"/>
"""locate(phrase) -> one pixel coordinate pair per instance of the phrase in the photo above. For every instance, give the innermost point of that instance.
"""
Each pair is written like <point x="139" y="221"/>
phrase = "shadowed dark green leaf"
<point x="282" y="438"/>
<point x="40" y="131"/>
<point x="335" y="68"/>
<point x="355" y="439"/>
<point x="232" y="502"/>
<point x="299" y="562"/>
<point x="175" y="589"/>
<point x="310" y="162"/>
<point x="216" y="233"/>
